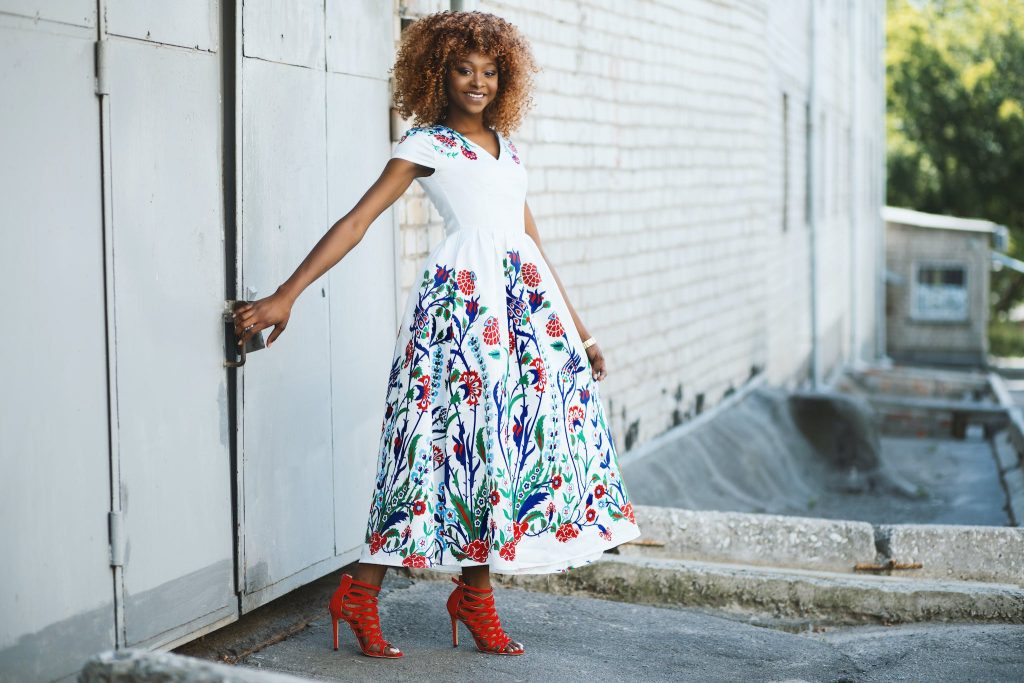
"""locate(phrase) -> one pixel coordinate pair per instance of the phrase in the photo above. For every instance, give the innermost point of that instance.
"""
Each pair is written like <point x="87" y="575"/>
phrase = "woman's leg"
<point x="369" y="573"/>
<point x="480" y="577"/>
<point x="372" y="574"/>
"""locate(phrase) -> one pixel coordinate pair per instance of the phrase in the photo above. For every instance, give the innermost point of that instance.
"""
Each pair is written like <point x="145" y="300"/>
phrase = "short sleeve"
<point x="416" y="146"/>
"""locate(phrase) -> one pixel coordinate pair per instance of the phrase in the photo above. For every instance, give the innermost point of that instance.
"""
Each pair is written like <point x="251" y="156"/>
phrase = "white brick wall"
<point x="655" y="156"/>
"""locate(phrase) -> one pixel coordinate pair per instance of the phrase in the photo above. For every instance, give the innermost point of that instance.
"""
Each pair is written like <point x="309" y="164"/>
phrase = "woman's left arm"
<point x="594" y="352"/>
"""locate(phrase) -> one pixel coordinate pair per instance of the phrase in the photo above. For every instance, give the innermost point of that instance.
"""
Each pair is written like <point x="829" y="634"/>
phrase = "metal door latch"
<point x="232" y="349"/>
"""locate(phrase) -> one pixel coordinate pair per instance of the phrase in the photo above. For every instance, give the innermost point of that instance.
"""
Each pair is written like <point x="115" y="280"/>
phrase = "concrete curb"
<point x="946" y="551"/>
<point x="782" y="593"/>
<point x="141" y="666"/>
<point x="953" y="552"/>
<point x="751" y="538"/>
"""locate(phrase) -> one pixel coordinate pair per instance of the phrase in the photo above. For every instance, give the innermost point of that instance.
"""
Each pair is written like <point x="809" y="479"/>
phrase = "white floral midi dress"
<point x="494" y="446"/>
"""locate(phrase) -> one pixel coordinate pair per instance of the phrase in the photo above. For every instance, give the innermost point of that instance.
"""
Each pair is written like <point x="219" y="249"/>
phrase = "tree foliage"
<point x="955" y="115"/>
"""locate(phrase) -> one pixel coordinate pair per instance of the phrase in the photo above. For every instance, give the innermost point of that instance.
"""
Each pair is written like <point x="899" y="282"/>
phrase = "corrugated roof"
<point x="894" y="214"/>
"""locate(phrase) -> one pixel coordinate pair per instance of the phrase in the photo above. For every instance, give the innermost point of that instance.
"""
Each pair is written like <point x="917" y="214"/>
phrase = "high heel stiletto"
<point x="474" y="607"/>
<point x="356" y="598"/>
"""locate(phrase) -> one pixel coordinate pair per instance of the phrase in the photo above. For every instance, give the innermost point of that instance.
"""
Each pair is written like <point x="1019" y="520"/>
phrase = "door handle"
<point x="235" y="354"/>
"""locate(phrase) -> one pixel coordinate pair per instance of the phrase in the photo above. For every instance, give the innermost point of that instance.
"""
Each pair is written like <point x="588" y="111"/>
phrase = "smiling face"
<point x="472" y="83"/>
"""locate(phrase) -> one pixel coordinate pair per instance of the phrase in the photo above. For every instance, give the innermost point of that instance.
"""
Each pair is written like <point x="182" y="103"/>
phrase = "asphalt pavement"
<point x="577" y="638"/>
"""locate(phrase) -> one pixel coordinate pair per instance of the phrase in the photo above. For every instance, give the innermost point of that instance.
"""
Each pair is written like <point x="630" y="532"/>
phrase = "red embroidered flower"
<point x="576" y="415"/>
<point x="599" y="491"/>
<point x="408" y="353"/>
<point x="469" y="154"/>
<point x="416" y="561"/>
<point x="511" y="343"/>
<point x="554" y="326"/>
<point x="606" y="534"/>
<point x="495" y="497"/>
<point x="474" y="386"/>
<point x="476" y="550"/>
<point x="438" y="455"/>
<point x="424" y="400"/>
<point x="419" y="507"/>
<point x="518" y="529"/>
<point x="466" y="280"/>
<point x="491" y="330"/>
<point x="445" y="140"/>
<point x="508" y="551"/>
<point x="591" y="514"/>
<point x="531" y="276"/>
<point x="556" y="482"/>
<point x="376" y="543"/>
<point x="551" y="509"/>
<point x="627" y="512"/>
<point x="567" y="532"/>
<point x="542" y="374"/>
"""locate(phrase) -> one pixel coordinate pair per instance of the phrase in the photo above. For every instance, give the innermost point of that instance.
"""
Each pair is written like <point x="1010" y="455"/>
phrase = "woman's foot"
<point x="355" y="602"/>
<point x="473" y="605"/>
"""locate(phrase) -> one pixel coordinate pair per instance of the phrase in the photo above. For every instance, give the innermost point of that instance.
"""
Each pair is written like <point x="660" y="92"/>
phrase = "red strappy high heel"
<point x="474" y="607"/>
<point x="355" y="598"/>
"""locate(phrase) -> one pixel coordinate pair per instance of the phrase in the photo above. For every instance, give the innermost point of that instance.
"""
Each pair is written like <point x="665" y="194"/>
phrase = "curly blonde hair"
<point x="429" y="47"/>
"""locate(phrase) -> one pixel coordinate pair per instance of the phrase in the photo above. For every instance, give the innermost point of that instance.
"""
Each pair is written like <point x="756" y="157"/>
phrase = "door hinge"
<point x="101" y="67"/>
<point x="116" y="520"/>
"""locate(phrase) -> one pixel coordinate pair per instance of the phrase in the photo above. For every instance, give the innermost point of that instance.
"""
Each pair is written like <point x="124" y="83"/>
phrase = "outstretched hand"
<point x="596" y="361"/>
<point x="273" y="310"/>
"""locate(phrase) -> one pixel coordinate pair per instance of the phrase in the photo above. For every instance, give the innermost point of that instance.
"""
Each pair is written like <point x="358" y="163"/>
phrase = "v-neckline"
<point x="465" y="137"/>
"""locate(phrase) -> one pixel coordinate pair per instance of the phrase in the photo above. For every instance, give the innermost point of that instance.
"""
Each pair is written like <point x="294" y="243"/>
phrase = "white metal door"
<point x="163" y="78"/>
<point x="57" y="602"/>
<point x="314" y="136"/>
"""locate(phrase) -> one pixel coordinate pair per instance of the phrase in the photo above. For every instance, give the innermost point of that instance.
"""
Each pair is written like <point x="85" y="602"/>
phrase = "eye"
<point x="490" y="74"/>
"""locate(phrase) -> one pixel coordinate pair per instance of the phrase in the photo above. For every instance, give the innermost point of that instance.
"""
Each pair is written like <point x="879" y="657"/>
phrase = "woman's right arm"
<point x="342" y="237"/>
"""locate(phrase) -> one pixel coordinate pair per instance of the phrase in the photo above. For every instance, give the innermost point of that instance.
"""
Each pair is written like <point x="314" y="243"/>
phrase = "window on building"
<point x="808" y="132"/>
<point x="824" y="181"/>
<point x="939" y="292"/>
<point x="785" y="161"/>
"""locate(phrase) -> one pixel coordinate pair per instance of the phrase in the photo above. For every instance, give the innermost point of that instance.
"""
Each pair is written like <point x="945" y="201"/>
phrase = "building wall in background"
<point x="668" y="159"/>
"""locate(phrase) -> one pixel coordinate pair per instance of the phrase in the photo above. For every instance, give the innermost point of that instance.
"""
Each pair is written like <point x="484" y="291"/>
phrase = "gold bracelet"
<point x="588" y="343"/>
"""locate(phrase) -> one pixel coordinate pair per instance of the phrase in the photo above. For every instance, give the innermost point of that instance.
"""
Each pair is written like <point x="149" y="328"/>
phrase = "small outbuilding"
<point x="937" y="286"/>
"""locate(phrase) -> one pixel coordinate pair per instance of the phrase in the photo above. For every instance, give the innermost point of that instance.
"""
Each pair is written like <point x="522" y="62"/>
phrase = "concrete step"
<point x="947" y="552"/>
<point x="822" y="596"/>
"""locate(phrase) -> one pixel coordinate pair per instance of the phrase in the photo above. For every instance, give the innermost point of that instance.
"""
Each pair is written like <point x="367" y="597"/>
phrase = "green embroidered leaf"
<point x="538" y="432"/>
<point x="495" y="354"/>
<point x="460" y="506"/>
<point x="558" y="345"/>
<point x="547" y="304"/>
<point x="412" y="448"/>
<point x="481" y="451"/>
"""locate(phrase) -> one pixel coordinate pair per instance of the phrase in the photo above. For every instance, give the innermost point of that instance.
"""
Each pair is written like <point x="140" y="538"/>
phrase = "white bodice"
<point x="470" y="188"/>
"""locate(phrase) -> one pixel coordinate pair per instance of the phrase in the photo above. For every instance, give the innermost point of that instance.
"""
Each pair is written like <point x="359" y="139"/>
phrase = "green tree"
<point x="955" y="115"/>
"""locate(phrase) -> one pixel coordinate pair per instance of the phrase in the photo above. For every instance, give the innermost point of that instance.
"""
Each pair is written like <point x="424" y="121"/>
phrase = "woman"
<point x="494" y="450"/>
